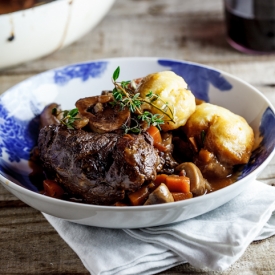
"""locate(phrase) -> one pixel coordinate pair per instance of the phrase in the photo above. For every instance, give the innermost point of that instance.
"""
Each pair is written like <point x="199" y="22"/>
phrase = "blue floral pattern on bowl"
<point x="267" y="133"/>
<point x="83" y="71"/>
<point x="17" y="137"/>
<point x="198" y="77"/>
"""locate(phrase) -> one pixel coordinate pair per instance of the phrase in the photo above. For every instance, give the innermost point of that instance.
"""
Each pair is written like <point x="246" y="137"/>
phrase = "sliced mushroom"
<point x="81" y="121"/>
<point x="198" y="184"/>
<point x="47" y="117"/>
<point x="102" y="116"/>
<point x="160" y="195"/>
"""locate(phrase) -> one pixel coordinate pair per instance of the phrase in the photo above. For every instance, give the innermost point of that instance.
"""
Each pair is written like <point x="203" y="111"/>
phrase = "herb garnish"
<point x="69" y="117"/>
<point x="126" y="96"/>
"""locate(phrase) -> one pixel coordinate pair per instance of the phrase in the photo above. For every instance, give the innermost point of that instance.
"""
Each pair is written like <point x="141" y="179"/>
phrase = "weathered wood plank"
<point x="162" y="7"/>
<point x="6" y="195"/>
<point x="29" y="245"/>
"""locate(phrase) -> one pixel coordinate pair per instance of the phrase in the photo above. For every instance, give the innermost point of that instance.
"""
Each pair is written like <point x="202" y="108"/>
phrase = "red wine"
<point x="253" y="31"/>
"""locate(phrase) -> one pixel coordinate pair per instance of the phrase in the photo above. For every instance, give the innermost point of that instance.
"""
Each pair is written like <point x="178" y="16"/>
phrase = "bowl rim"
<point x="252" y="175"/>
<point x="37" y="5"/>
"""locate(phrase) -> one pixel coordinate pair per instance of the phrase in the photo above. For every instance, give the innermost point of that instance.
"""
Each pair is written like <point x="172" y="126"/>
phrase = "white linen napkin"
<point x="212" y="241"/>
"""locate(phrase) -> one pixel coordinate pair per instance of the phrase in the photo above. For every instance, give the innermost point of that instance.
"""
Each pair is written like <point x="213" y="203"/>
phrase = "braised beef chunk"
<point x="100" y="168"/>
<point x="135" y="161"/>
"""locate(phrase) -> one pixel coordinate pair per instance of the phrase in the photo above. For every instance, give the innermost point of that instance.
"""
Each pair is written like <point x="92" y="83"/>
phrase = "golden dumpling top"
<point x="227" y="135"/>
<point x="172" y="89"/>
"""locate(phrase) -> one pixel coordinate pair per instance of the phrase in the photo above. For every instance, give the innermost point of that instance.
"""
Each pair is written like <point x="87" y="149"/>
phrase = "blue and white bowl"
<point x="21" y="105"/>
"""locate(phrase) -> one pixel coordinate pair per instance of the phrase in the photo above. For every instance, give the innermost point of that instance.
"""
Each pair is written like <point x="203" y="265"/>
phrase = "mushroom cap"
<point x="160" y="195"/>
<point x="47" y="118"/>
<point x="105" y="119"/>
<point x="197" y="181"/>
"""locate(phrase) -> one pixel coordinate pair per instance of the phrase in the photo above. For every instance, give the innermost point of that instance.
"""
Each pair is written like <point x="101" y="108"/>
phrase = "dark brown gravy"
<point x="217" y="184"/>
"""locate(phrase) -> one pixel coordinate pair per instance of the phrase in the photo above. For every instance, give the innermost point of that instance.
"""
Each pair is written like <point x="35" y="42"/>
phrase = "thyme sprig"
<point x="155" y="120"/>
<point x="165" y="109"/>
<point x="134" y="128"/>
<point x="69" y="117"/>
<point x="126" y="96"/>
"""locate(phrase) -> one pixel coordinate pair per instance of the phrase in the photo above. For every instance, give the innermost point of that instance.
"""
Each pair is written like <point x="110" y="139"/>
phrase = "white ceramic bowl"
<point x="39" y="31"/>
<point x="21" y="105"/>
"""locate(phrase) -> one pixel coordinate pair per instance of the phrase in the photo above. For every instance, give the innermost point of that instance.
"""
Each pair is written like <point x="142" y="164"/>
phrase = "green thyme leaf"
<point x="116" y="73"/>
<point x="73" y="112"/>
<point x="69" y="117"/>
<point x="118" y="96"/>
<point x="150" y="94"/>
<point x="124" y="84"/>
<point x="135" y="129"/>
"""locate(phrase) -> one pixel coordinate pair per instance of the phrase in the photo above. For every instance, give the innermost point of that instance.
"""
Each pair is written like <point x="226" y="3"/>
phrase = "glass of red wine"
<point x="251" y="25"/>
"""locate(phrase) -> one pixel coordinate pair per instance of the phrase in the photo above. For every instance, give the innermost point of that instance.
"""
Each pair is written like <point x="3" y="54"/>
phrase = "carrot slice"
<point x="160" y="147"/>
<point x="205" y="155"/>
<point x="139" y="197"/>
<point x="155" y="133"/>
<point x="181" y="196"/>
<point x="178" y="184"/>
<point x="52" y="189"/>
<point x="161" y="178"/>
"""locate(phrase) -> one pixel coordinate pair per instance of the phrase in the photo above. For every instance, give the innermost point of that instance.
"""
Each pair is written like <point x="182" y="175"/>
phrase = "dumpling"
<point x="225" y="134"/>
<point x="172" y="89"/>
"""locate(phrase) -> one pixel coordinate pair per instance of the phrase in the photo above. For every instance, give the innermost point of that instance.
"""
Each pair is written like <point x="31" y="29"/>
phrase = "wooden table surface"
<point x="191" y="30"/>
